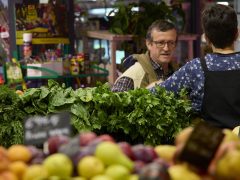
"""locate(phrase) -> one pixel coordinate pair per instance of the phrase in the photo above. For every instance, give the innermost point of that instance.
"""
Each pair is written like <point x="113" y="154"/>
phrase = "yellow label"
<point x="45" y="41"/>
<point x="31" y="13"/>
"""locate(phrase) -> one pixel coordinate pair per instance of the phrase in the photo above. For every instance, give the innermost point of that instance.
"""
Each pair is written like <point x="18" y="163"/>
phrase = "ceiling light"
<point x="223" y="3"/>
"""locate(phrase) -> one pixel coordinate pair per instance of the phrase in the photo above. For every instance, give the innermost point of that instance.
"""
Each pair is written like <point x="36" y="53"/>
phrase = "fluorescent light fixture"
<point x="106" y="11"/>
<point x="223" y="3"/>
<point x="100" y="11"/>
<point x="43" y="1"/>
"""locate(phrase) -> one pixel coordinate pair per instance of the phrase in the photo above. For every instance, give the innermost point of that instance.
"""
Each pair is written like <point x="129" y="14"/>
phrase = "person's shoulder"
<point x="129" y="61"/>
<point x="191" y="65"/>
<point x="193" y="62"/>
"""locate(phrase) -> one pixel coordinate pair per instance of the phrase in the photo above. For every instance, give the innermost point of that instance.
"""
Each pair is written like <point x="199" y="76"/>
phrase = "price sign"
<point x="201" y="146"/>
<point x="39" y="128"/>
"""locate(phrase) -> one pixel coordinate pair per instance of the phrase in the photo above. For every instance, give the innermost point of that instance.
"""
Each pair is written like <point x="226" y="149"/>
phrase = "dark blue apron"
<point x="221" y="101"/>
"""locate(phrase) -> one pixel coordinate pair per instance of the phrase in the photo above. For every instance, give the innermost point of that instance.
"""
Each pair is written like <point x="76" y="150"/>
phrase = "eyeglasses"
<point x="161" y="44"/>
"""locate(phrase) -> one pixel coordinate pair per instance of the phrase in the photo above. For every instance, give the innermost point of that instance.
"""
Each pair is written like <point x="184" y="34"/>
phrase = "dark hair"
<point x="160" y="25"/>
<point x="220" y="25"/>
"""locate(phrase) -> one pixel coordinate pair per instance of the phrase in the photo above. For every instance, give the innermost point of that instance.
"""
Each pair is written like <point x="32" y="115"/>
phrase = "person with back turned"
<point x="213" y="81"/>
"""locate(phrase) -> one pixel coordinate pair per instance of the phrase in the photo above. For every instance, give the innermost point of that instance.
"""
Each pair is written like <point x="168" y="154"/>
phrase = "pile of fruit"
<point x="88" y="156"/>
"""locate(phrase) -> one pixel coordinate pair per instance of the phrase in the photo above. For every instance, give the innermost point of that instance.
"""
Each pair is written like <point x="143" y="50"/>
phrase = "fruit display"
<point x="88" y="156"/>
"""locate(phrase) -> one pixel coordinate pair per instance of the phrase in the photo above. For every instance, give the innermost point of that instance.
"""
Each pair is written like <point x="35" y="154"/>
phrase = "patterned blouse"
<point x="191" y="75"/>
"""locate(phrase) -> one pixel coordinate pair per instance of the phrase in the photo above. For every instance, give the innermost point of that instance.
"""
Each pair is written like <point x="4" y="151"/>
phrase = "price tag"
<point x="201" y="146"/>
<point x="39" y="128"/>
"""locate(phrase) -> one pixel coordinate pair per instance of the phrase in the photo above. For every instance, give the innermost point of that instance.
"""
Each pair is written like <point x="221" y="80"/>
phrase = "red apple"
<point x="54" y="142"/>
<point x="138" y="165"/>
<point x="144" y="153"/>
<point x="85" y="151"/>
<point x="154" y="171"/>
<point x="95" y="142"/>
<point x="86" y="137"/>
<point x="37" y="160"/>
<point x="106" y="137"/>
<point x="37" y="155"/>
<point x="127" y="149"/>
<point x="71" y="148"/>
<point x="34" y="151"/>
<point x="138" y="152"/>
<point x="150" y="154"/>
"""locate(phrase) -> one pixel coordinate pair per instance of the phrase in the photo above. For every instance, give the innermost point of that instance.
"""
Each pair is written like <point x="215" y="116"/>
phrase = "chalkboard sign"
<point x="39" y="128"/>
<point x="202" y="145"/>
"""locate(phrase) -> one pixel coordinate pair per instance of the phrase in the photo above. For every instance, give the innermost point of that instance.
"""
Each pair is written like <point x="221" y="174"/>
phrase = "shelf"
<point x="108" y="36"/>
<point x="46" y="41"/>
<point x="113" y="39"/>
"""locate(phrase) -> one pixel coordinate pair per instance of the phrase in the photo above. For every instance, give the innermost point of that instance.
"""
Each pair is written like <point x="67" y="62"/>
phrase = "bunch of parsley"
<point x="11" y="117"/>
<point x="139" y="114"/>
<point x="134" y="115"/>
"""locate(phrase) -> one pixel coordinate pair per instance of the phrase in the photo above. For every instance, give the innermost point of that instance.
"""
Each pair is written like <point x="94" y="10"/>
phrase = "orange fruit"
<point x="8" y="175"/>
<point x="19" y="152"/>
<point x="4" y="161"/>
<point x="18" y="168"/>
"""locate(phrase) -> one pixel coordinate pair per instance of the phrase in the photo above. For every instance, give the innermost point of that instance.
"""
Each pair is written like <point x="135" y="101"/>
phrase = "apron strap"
<point x="204" y="65"/>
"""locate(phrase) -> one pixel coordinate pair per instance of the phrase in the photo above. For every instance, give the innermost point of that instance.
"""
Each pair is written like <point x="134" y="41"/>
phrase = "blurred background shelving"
<point x="84" y="16"/>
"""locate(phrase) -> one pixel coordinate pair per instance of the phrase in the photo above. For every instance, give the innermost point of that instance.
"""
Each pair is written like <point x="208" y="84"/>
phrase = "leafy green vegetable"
<point x="11" y="117"/>
<point x="136" y="115"/>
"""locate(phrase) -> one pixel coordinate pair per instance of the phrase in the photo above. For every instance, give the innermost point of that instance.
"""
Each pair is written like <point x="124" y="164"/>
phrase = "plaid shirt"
<point x="126" y="83"/>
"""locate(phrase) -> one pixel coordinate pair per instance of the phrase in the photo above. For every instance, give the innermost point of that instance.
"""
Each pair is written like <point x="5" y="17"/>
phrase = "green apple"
<point x="90" y="166"/>
<point x="133" y="177"/>
<point x="33" y="171"/>
<point x="181" y="171"/>
<point x="110" y="153"/>
<point x="229" y="136"/>
<point x="54" y="178"/>
<point x="101" y="177"/>
<point x="78" y="178"/>
<point x="228" y="166"/>
<point x="58" y="165"/>
<point x="165" y="152"/>
<point x="117" y="172"/>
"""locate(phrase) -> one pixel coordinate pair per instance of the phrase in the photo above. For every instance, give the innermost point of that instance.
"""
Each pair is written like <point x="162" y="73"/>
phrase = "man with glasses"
<point x="152" y="66"/>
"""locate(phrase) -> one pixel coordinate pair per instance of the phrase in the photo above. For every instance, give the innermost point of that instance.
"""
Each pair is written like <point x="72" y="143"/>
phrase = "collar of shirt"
<point x="155" y="65"/>
<point x="158" y="69"/>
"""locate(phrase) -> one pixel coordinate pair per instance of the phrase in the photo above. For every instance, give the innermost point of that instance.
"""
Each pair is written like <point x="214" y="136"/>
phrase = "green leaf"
<point x="81" y="112"/>
<point x="44" y="92"/>
<point x="59" y="99"/>
<point x="85" y="95"/>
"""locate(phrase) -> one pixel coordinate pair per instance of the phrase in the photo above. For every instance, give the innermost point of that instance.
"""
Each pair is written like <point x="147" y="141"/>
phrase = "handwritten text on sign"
<point x="39" y="128"/>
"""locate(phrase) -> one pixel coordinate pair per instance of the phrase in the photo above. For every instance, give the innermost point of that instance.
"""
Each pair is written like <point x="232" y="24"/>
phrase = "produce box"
<point x="58" y="66"/>
<point x="35" y="72"/>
